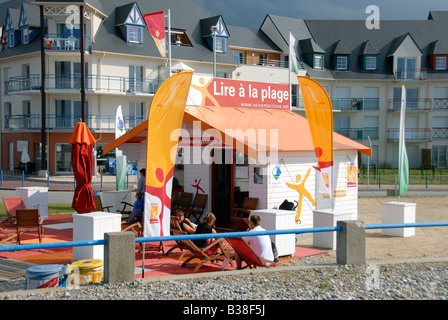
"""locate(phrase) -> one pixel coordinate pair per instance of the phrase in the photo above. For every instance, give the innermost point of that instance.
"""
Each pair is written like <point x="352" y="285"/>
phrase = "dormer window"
<point x="370" y="63"/>
<point x="131" y="23"/>
<point x="135" y="34"/>
<point x="341" y="62"/>
<point x="440" y="63"/>
<point x="215" y="33"/>
<point x="318" y="61"/>
<point x="25" y="35"/>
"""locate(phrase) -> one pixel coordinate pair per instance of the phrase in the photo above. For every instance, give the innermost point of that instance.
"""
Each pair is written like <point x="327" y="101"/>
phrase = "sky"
<point x="251" y="13"/>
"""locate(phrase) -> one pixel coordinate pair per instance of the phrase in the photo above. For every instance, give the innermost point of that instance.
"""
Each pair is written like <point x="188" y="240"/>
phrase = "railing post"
<point x="351" y="243"/>
<point x="119" y="257"/>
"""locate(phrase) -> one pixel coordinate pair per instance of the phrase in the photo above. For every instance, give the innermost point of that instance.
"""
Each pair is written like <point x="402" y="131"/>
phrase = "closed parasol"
<point x="82" y="164"/>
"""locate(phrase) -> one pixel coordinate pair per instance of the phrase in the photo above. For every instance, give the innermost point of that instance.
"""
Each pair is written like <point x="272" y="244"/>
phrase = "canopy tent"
<point x="292" y="130"/>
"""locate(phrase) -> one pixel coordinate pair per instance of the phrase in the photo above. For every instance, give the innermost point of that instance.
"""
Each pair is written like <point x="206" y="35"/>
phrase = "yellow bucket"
<point x="86" y="271"/>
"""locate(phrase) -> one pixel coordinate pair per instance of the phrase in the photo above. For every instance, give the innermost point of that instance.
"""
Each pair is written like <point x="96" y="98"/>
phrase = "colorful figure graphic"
<point x="300" y="188"/>
<point x="204" y="93"/>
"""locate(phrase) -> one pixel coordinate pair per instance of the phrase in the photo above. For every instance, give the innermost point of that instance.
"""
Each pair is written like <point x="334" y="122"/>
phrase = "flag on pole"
<point x="292" y="54"/>
<point x="319" y="114"/>
<point x="403" y="166"/>
<point x="119" y="123"/>
<point x="4" y="41"/>
<point x="155" y="22"/>
<point x="164" y="123"/>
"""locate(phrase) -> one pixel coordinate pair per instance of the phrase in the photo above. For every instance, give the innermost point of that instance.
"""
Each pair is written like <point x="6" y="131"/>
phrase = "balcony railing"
<point x="347" y="104"/>
<point x="412" y="104"/>
<point x="114" y="84"/>
<point x="410" y="74"/>
<point x="57" y="122"/>
<point x="440" y="103"/>
<point x="439" y="133"/>
<point x="410" y="134"/>
<point x="262" y="62"/>
<point x="352" y="133"/>
<point x="54" y="42"/>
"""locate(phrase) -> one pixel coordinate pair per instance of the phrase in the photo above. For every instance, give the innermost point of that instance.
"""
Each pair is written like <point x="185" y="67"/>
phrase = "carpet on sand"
<point x="58" y="228"/>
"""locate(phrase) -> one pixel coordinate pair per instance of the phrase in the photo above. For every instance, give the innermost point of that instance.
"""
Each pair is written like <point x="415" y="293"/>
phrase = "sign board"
<point x="221" y="92"/>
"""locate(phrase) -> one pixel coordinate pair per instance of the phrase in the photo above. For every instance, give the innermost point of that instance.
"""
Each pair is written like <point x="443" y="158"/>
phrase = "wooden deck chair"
<point x="247" y="254"/>
<point x="99" y="205"/>
<point x="239" y="220"/>
<point x="198" y="207"/>
<point x="175" y="230"/>
<point x="137" y="228"/>
<point x="28" y="220"/>
<point x="126" y="212"/>
<point x="11" y="205"/>
<point x="184" y="201"/>
<point x="200" y="253"/>
<point x="8" y="237"/>
<point x="174" y="199"/>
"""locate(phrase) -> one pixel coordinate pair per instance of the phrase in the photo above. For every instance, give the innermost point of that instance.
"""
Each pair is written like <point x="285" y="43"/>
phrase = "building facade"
<point x="362" y="69"/>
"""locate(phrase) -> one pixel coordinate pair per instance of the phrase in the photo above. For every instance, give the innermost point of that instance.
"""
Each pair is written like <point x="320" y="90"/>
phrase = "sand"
<point x="428" y="242"/>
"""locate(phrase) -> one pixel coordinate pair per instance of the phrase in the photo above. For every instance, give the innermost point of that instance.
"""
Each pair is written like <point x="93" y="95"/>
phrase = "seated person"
<point x="260" y="244"/>
<point x="185" y="224"/>
<point x="206" y="226"/>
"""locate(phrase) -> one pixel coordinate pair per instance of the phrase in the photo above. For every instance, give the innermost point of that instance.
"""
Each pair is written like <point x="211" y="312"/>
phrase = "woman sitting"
<point x="185" y="224"/>
<point x="206" y="226"/>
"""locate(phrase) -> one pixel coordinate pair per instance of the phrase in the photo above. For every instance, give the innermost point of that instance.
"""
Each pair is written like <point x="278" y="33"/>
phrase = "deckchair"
<point x="11" y="205"/>
<point x="184" y="201"/>
<point x="198" y="207"/>
<point x="28" y="220"/>
<point x="239" y="220"/>
<point x="247" y="254"/>
<point x="200" y="253"/>
<point x="99" y="205"/>
<point x="175" y="230"/>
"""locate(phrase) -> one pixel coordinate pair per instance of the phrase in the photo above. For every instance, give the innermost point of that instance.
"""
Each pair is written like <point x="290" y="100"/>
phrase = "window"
<point x="136" y="111"/>
<point x="221" y="44"/>
<point x="370" y="63"/>
<point x="180" y="39"/>
<point x="406" y="68"/>
<point x="239" y="56"/>
<point x="136" y="78"/>
<point x="440" y="63"/>
<point x="11" y="39"/>
<point x="341" y="63"/>
<point x="318" y="61"/>
<point x="220" y="74"/>
<point x="25" y="35"/>
<point x="135" y="34"/>
<point x="63" y="157"/>
<point x="439" y="156"/>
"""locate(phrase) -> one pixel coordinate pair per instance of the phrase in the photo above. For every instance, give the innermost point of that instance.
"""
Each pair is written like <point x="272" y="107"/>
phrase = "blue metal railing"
<point x="214" y="235"/>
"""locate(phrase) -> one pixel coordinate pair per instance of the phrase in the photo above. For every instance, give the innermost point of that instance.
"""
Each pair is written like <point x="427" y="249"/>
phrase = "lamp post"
<point x="214" y="29"/>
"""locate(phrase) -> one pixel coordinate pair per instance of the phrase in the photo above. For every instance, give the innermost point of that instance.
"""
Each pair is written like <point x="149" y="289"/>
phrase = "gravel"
<point x="312" y="278"/>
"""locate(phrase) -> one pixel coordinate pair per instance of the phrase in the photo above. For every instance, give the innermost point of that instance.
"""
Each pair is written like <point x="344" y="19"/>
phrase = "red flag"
<point x="156" y="26"/>
<point x="4" y="40"/>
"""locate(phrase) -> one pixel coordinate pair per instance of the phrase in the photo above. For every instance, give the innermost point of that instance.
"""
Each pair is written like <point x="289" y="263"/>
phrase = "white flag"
<point x="119" y="123"/>
<point x="292" y="55"/>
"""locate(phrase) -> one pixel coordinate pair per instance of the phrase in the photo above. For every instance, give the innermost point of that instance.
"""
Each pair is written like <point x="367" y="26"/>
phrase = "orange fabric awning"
<point x="252" y="129"/>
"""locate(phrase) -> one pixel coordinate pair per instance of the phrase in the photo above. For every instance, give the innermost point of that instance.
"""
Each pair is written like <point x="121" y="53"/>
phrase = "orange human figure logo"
<point x="300" y="188"/>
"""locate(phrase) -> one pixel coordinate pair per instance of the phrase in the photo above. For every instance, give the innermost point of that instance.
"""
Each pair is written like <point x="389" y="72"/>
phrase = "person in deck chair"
<point x="261" y="244"/>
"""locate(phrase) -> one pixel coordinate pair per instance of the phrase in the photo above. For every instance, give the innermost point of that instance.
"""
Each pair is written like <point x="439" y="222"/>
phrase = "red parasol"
<point x="82" y="163"/>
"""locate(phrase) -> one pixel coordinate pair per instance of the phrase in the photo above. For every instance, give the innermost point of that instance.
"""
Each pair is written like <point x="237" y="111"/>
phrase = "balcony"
<point x="439" y="133"/>
<point x="53" y="42"/>
<point x="410" y="134"/>
<point x="256" y="61"/>
<point x="101" y="84"/>
<point x="352" y="133"/>
<point x="412" y="104"/>
<point x="404" y="74"/>
<point x="440" y="104"/>
<point x="58" y="122"/>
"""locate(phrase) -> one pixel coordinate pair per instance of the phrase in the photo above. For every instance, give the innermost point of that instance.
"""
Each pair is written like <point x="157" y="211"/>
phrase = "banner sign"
<point x="221" y="92"/>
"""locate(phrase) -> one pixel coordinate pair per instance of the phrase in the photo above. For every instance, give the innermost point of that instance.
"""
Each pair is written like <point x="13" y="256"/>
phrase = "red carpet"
<point x="156" y="263"/>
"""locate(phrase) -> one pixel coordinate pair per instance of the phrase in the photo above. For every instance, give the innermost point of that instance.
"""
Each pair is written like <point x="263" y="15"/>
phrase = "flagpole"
<point x="169" y="40"/>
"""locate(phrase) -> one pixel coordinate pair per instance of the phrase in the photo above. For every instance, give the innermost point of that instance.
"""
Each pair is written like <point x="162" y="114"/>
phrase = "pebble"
<point x="403" y="281"/>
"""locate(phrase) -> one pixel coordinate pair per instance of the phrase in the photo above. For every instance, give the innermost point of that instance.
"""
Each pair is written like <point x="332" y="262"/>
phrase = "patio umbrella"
<point x="82" y="164"/>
